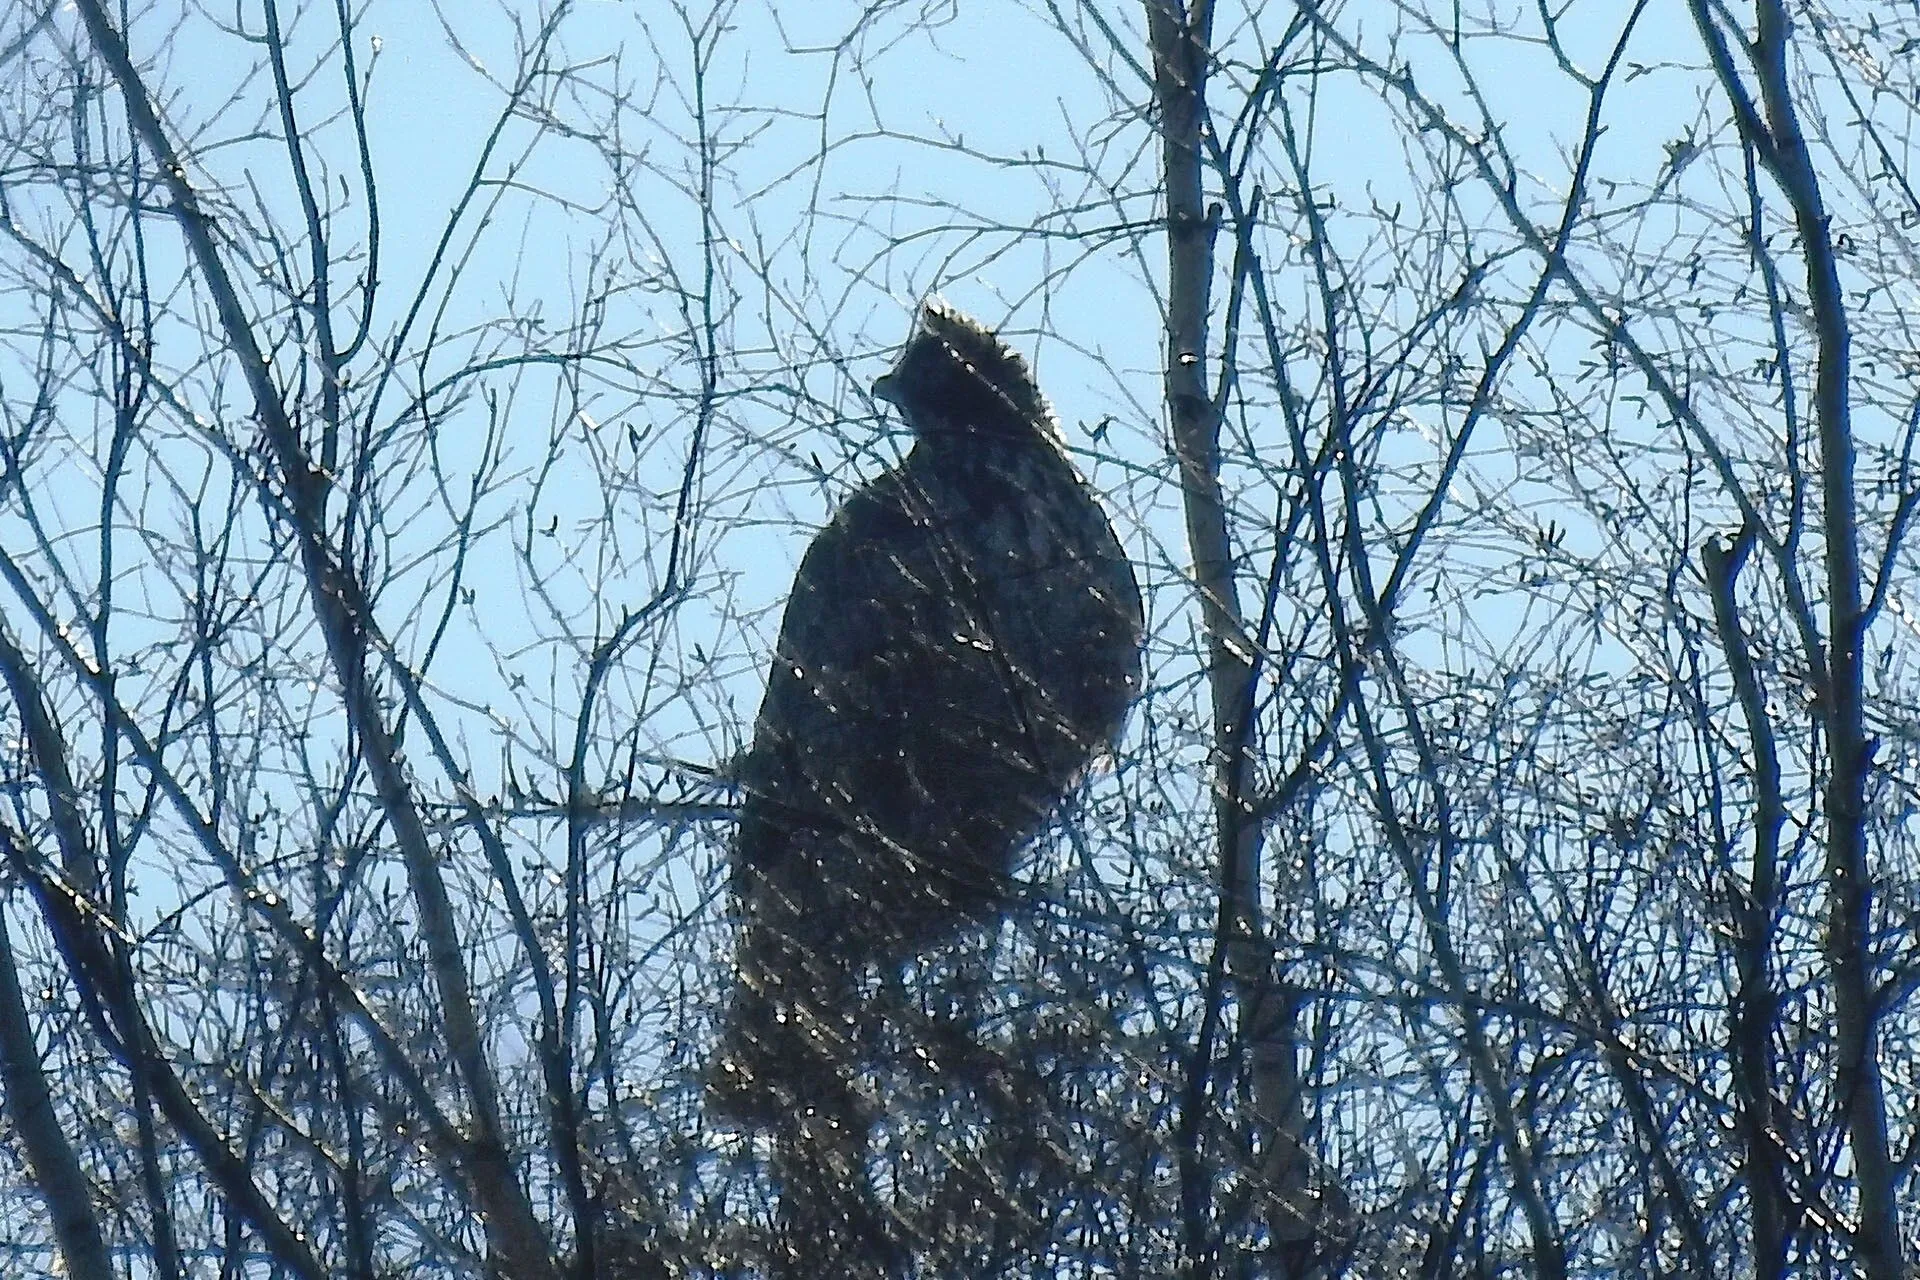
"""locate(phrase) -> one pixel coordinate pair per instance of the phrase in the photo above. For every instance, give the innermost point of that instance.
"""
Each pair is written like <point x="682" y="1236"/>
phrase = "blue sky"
<point x="863" y="157"/>
<point x="865" y="154"/>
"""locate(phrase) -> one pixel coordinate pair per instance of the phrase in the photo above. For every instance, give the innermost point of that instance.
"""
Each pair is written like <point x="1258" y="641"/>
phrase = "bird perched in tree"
<point x="959" y="643"/>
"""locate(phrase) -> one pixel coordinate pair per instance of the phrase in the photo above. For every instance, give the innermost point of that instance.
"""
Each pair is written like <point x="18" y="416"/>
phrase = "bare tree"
<point x="1508" y="867"/>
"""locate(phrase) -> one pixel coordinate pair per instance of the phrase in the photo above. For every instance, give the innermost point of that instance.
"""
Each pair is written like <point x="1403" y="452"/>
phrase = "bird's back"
<point x="960" y="641"/>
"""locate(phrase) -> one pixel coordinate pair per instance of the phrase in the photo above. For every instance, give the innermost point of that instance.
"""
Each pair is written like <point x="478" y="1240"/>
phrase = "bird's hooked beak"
<point x="886" y="387"/>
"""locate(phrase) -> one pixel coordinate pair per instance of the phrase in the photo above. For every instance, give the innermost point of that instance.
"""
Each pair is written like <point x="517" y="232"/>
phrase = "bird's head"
<point x="956" y="375"/>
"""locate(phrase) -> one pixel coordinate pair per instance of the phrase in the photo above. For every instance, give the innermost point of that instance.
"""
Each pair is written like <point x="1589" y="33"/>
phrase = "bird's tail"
<point x="788" y="1046"/>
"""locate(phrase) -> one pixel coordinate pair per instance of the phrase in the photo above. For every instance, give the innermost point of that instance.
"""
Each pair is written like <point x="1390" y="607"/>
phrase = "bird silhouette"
<point x="960" y="642"/>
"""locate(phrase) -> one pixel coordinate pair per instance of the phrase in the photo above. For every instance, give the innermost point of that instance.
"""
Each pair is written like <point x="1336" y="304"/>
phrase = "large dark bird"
<point x="960" y="641"/>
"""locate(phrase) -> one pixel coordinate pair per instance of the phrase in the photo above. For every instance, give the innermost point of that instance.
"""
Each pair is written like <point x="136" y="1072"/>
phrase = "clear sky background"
<point x="862" y="156"/>
<point x="662" y="286"/>
<point x="865" y="162"/>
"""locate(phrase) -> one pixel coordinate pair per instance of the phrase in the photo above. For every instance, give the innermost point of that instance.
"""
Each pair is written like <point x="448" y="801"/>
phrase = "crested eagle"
<point x="960" y="641"/>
